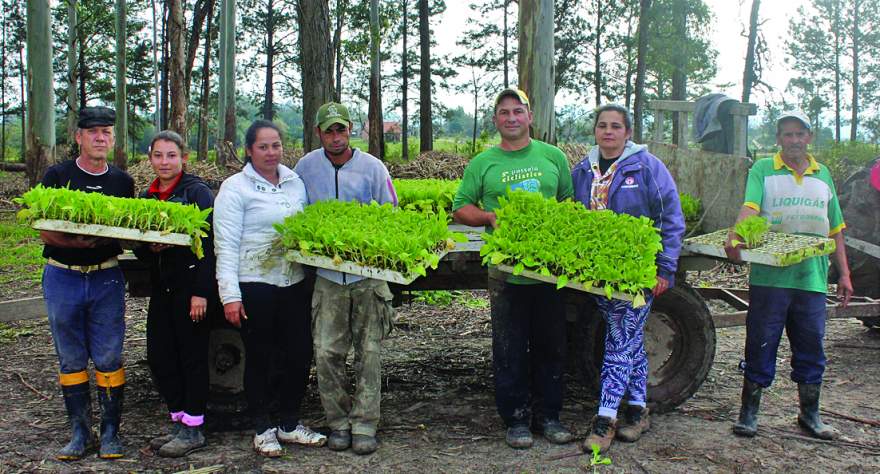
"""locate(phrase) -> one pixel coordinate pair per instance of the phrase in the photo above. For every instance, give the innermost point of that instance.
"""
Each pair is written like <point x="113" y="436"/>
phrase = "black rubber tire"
<point x="679" y="338"/>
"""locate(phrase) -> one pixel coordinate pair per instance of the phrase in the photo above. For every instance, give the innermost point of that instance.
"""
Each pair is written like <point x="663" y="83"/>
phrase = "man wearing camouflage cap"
<point x="347" y="310"/>
<point x="84" y="292"/>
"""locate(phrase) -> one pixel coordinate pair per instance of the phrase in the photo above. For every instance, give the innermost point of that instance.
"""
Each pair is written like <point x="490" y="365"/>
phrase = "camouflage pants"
<point x="358" y="315"/>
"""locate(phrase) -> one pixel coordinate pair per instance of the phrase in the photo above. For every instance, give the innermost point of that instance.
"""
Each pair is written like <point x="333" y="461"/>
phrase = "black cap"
<point x="96" y="117"/>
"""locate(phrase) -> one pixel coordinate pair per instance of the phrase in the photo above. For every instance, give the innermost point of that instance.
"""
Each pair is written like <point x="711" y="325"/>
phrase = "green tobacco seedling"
<point x="752" y="229"/>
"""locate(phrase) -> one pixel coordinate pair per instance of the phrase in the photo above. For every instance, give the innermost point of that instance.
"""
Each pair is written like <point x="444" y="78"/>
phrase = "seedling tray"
<point x="390" y="276"/>
<point x="120" y="233"/>
<point x="778" y="249"/>
<point x="596" y="290"/>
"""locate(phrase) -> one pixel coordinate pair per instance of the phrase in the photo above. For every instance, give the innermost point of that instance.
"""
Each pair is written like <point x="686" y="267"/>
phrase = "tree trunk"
<point x="200" y="12"/>
<point x="157" y="114"/>
<point x="749" y="76"/>
<point x="166" y="59"/>
<point x="628" y="75"/>
<point x="72" y="101"/>
<point x="680" y="60"/>
<point x="24" y="106"/>
<point x="83" y="73"/>
<point x="426" y="126"/>
<point x="837" y="41"/>
<point x="377" y="128"/>
<point x="641" y="67"/>
<point x="856" y="51"/>
<point x="176" y="73"/>
<point x="536" y="65"/>
<point x="597" y="56"/>
<point x="3" y="93"/>
<point x="317" y="69"/>
<point x="506" y="47"/>
<point x="404" y="92"/>
<point x="120" y="158"/>
<point x="337" y="50"/>
<point x="226" y="108"/>
<point x="476" y="109"/>
<point x="211" y="32"/>
<point x="41" y="95"/>
<point x="268" y="88"/>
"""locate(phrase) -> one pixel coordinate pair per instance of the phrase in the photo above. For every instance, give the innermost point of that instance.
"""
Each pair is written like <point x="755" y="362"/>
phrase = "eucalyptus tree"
<point x="41" y="106"/>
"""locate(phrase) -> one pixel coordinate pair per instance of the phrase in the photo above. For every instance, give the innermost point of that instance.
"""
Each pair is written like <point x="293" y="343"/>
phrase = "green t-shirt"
<point x="796" y="205"/>
<point x="538" y="167"/>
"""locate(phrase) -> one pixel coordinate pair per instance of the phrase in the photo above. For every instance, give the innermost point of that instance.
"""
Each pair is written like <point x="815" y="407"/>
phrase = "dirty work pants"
<point x="625" y="365"/>
<point x="276" y="341"/>
<point x="358" y="315"/>
<point x="528" y="350"/>
<point x="86" y="316"/>
<point x="177" y="351"/>
<point x="802" y="315"/>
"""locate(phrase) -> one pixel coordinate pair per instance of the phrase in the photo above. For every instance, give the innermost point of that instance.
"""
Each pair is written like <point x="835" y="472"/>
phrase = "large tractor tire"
<point x="679" y="339"/>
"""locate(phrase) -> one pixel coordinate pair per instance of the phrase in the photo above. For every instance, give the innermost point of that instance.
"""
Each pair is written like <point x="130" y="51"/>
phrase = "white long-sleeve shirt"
<point x="244" y="211"/>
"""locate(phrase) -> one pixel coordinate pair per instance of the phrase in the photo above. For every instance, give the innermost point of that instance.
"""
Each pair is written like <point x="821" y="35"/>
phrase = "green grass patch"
<point x="20" y="252"/>
<point x="10" y="334"/>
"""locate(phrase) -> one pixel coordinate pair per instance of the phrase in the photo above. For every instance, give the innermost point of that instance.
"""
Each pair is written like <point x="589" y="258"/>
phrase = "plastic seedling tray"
<point x="120" y="233"/>
<point x="390" y="276"/>
<point x="596" y="290"/>
<point x="778" y="249"/>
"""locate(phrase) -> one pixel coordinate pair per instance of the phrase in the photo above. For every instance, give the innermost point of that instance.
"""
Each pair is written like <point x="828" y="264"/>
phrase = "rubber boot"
<point x="809" y="418"/>
<point x="747" y="425"/>
<point x="111" y="415"/>
<point x="188" y="439"/>
<point x="78" y="402"/>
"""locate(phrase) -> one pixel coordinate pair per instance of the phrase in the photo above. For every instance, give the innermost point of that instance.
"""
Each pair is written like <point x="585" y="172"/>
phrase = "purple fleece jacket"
<point x="642" y="186"/>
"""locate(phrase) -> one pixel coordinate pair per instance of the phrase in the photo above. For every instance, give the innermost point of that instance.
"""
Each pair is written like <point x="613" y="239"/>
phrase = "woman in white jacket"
<point x="262" y="293"/>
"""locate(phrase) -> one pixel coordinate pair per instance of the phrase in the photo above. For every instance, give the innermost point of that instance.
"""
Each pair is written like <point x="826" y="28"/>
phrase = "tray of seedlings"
<point x="564" y="243"/>
<point x="99" y="215"/>
<point x="760" y="245"/>
<point x="371" y="240"/>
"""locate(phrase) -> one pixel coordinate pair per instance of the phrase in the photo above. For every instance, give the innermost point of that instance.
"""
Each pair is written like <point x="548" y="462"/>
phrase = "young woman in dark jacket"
<point x="183" y="289"/>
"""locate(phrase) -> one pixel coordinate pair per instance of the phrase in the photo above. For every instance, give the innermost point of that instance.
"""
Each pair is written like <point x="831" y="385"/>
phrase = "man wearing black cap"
<point x="797" y="195"/>
<point x="528" y="320"/>
<point x="84" y="292"/>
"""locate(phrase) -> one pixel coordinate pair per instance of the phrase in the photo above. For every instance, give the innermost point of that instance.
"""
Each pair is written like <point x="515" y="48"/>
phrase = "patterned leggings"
<point x="625" y="368"/>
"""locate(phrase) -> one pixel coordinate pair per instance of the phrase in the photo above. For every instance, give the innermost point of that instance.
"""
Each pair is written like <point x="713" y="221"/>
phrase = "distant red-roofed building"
<point x="392" y="131"/>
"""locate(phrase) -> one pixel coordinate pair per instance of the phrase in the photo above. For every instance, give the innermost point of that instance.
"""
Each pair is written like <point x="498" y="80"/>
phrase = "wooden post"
<point x="683" y="128"/>
<point x="658" y="125"/>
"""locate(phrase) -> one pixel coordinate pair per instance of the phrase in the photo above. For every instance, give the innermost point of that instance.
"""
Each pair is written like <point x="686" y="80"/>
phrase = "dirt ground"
<point x="438" y="411"/>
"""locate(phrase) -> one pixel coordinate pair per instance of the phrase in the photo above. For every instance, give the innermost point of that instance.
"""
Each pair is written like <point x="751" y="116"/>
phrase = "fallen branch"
<point x="572" y="454"/>
<point x="874" y="448"/>
<point x="875" y="423"/>
<point x="24" y="382"/>
<point x="854" y="346"/>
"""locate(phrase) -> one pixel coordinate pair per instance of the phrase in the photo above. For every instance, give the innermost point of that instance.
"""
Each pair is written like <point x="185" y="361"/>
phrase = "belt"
<point x="113" y="262"/>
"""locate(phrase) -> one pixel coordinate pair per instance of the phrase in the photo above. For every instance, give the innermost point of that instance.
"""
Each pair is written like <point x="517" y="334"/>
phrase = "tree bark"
<point x="317" y="69"/>
<point x="268" y="88"/>
<point x="837" y="41"/>
<point x="72" y="101"/>
<point x="41" y="95"/>
<point x="506" y="47"/>
<point x="426" y="126"/>
<point x="641" y="67"/>
<point x="211" y="32"/>
<point x="856" y="51"/>
<point x="337" y="50"/>
<point x="680" y="60"/>
<point x="166" y="59"/>
<point x="24" y="106"/>
<point x="597" y="56"/>
<point x="536" y="65"/>
<point x="404" y="91"/>
<point x="377" y="123"/>
<point x="3" y="93"/>
<point x="177" y="76"/>
<point x="157" y="114"/>
<point x="226" y="108"/>
<point x="120" y="158"/>
<point x="749" y="76"/>
<point x="200" y="12"/>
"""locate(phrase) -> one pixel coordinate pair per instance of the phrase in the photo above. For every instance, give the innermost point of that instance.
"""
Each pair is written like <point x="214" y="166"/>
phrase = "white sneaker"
<point x="267" y="444"/>
<point x="302" y="435"/>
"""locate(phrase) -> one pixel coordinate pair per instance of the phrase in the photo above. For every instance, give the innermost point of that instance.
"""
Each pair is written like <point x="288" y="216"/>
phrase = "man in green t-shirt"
<point x="528" y="319"/>
<point x="796" y="194"/>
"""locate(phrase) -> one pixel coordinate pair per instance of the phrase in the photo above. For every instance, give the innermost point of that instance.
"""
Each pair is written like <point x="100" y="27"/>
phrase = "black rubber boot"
<point x="809" y="418"/>
<point x="188" y="439"/>
<point x="78" y="402"/>
<point x="747" y="425"/>
<point x="111" y="416"/>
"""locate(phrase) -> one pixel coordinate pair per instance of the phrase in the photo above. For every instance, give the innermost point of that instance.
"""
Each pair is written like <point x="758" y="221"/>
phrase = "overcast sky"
<point x="730" y="19"/>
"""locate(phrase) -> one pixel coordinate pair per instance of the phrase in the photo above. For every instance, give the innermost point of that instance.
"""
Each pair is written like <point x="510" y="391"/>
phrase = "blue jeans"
<point x="86" y="316"/>
<point x="802" y="315"/>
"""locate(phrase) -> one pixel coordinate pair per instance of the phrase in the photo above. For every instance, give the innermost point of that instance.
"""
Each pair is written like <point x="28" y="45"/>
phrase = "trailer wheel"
<point x="679" y="339"/>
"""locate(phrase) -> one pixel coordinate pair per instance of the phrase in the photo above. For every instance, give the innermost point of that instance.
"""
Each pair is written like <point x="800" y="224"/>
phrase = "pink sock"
<point x="190" y="420"/>
<point x="176" y="416"/>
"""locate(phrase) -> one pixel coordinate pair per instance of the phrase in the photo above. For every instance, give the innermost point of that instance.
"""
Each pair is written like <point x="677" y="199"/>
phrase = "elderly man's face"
<point x="793" y="137"/>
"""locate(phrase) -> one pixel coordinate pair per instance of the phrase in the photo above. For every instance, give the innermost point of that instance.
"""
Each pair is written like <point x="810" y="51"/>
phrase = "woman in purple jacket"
<point x="625" y="178"/>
